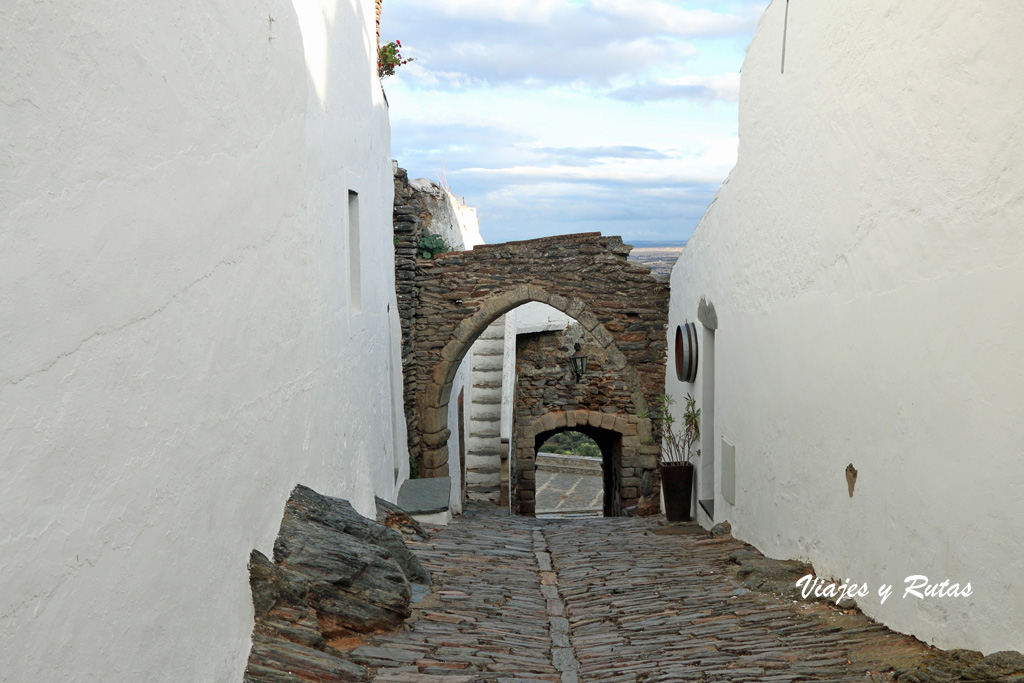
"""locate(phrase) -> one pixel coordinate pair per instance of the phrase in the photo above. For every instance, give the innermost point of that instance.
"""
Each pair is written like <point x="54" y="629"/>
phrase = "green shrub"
<point x="430" y="245"/>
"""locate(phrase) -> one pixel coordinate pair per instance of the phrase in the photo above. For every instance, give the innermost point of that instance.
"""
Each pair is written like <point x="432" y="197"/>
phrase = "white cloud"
<point x="558" y="116"/>
<point x="670" y="18"/>
<point x="723" y="88"/>
<point x="553" y="41"/>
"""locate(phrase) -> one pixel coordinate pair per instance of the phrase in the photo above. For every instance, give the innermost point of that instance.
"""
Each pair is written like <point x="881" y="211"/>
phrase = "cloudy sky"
<point x="560" y="116"/>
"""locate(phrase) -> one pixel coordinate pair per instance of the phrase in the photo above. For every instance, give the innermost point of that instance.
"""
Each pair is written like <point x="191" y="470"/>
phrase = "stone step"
<point x="486" y="394"/>
<point x="494" y="331"/>
<point x="487" y="462"/>
<point x="476" y="477"/>
<point x="488" y="363"/>
<point x="485" y="410"/>
<point x="484" y="446"/>
<point x="485" y="494"/>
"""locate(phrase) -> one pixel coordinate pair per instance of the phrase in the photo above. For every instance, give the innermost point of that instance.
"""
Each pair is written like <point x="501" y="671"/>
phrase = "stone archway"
<point x="628" y="474"/>
<point x="587" y="277"/>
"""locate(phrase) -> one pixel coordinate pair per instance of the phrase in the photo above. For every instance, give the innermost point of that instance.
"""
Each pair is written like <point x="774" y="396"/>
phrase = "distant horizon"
<point x="655" y="243"/>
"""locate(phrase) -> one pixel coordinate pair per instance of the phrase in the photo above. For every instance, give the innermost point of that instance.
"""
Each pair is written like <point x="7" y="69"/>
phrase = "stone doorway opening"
<point x="570" y="475"/>
<point x="628" y="480"/>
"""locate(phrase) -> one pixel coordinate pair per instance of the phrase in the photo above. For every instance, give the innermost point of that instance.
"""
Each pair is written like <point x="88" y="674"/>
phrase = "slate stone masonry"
<point x="599" y="404"/>
<point x="587" y="276"/>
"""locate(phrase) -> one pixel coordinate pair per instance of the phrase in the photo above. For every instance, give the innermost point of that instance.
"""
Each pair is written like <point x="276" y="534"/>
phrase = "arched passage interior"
<point x="610" y="443"/>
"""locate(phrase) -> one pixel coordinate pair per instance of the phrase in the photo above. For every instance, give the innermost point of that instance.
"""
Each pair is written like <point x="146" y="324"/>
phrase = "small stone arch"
<point x="627" y="480"/>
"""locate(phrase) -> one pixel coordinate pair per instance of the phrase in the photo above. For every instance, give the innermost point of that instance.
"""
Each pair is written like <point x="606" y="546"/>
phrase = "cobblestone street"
<point x="561" y="492"/>
<point x="611" y="600"/>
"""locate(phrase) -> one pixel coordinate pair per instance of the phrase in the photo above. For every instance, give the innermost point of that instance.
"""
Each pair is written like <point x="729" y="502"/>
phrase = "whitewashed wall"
<point x="508" y="374"/>
<point x="866" y="262"/>
<point x="177" y="345"/>
<point x="538" y="317"/>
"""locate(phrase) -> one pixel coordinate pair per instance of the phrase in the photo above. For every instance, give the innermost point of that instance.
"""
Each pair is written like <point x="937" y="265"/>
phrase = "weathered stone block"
<point x="432" y="420"/>
<point x="588" y="320"/>
<point x="434" y="458"/>
<point x="643" y="431"/>
<point x="436" y="439"/>
<point x="434" y="472"/>
<point x="575" y="307"/>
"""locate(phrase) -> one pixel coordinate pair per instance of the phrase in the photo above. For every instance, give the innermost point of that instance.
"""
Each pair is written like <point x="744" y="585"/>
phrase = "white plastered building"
<point x="195" y="201"/>
<point x="862" y="273"/>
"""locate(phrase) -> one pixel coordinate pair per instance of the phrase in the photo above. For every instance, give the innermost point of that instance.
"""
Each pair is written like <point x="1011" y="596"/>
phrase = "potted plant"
<point x="677" y="452"/>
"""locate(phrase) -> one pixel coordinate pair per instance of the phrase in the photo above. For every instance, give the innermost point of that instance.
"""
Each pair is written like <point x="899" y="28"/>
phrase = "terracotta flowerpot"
<point x="677" y="488"/>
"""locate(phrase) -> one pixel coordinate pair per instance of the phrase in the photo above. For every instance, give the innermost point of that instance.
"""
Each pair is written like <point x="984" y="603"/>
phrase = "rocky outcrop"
<point x="334" y="573"/>
<point x="397" y="519"/>
<point x="967" y="665"/>
<point x="760" y="573"/>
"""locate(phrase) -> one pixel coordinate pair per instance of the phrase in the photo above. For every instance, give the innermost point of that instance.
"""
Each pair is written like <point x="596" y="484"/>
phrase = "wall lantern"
<point x="686" y="352"/>
<point x="579" y="363"/>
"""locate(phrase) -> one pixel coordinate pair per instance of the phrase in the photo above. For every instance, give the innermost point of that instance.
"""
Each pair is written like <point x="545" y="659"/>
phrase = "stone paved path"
<point x="564" y="492"/>
<point x="519" y="600"/>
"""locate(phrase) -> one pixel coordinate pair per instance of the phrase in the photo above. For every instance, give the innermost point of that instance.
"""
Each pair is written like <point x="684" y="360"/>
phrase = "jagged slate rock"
<point x="721" y="530"/>
<point x="272" y="585"/>
<point x="760" y="573"/>
<point x="997" y="666"/>
<point x="943" y="667"/>
<point x="741" y="556"/>
<point x="275" y="660"/>
<point x="297" y="624"/>
<point x="279" y="599"/>
<point x="397" y="519"/>
<point x="353" y="586"/>
<point x="338" y="514"/>
<point x="384" y="676"/>
<point x="383" y="656"/>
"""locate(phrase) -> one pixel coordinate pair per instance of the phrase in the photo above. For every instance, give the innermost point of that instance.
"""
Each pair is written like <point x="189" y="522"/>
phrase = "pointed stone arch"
<point x="586" y="276"/>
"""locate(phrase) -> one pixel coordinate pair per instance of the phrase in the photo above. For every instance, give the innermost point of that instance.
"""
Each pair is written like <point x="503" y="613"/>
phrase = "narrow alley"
<point x="612" y="601"/>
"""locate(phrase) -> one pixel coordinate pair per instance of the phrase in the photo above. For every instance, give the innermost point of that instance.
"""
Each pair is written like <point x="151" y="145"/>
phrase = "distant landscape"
<point x="658" y="256"/>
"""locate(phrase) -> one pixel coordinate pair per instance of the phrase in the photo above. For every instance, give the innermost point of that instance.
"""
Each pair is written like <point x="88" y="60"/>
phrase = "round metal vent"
<point x="686" y="352"/>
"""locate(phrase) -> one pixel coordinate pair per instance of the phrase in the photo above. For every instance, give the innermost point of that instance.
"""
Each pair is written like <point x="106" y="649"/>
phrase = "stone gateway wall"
<point x="586" y="276"/>
<point x="550" y="399"/>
